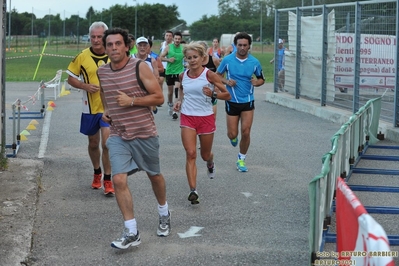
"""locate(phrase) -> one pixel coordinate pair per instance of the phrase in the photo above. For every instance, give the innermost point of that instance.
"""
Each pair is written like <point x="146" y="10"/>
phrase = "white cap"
<point x="280" y="41"/>
<point x="141" y="39"/>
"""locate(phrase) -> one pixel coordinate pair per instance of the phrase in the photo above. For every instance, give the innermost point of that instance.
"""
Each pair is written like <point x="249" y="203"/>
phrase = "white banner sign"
<point x="377" y="60"/>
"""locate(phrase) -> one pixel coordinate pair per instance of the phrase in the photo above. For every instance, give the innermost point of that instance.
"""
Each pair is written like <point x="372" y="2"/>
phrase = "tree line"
<point x="155" y="19"/>
<point x="152" y="20"/>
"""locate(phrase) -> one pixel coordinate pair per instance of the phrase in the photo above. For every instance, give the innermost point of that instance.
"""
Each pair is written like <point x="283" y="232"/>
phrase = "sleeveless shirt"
<point x="163" y="45"/>
<point x="217" y="53"/>
<point x="195" y="102"/>
<point x="128" y="122"/>
<point x="210" y="65"/>
<point x="176" y="67"/>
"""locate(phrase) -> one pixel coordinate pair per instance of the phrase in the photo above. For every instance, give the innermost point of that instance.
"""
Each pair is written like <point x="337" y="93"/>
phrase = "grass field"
<point x="21" y="64"/>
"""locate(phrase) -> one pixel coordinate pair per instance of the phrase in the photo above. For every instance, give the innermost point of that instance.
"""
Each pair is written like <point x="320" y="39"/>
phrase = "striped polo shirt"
<point x="128" y="122"/>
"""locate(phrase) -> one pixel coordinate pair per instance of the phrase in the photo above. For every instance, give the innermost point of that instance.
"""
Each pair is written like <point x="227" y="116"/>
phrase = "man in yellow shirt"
<point x="82" y="73"/>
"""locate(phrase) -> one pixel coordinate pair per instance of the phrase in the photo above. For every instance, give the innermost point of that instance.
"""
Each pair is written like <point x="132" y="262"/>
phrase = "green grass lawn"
<point x="23" y="69"/>
<point x="266" y="66"/>
<point x="21" y="64"/>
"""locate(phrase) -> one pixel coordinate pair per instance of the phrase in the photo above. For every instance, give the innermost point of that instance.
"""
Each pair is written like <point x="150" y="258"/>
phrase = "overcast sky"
<point x="190" y="10"/>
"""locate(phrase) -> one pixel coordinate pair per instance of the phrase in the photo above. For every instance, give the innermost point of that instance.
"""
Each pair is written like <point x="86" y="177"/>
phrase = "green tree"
<point x="55" y="24"/>
<point x="206" y="28"/>
<point x="156" y="19"/>
<point x="70" y="25"/>
<point x="227" y="7"/>
<point x="18" y="22"/>
<point x="236" y="15"/>
<point x="90" y="12"/>
<point x="153" y="20"/>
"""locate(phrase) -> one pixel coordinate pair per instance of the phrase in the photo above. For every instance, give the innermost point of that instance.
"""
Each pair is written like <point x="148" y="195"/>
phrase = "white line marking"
<point x="45" y="133"/>
<point x="247" y="194"/>
<point x="191" y="232"/>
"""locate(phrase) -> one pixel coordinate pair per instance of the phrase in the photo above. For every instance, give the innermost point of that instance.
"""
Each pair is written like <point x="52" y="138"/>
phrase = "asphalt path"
<point x="256" y="218"/>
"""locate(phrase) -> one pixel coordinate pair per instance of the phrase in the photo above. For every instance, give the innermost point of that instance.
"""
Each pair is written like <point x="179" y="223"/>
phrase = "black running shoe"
<point x="211" y="171"/>
<point x="193" y="197"/>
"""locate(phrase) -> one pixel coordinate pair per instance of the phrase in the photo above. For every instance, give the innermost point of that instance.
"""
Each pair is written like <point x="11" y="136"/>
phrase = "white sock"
<point x="241" y="156"/>
<point x="131" y="225"/>
<point x="163" y="210"/>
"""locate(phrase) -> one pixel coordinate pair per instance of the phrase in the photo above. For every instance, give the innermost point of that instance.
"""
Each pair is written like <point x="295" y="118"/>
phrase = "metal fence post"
<point x="356" y="78"/>
<point x="324" y="58"/>
<point x="276" y="37"/>
<point x="396" y="98"/>
<point x="298" y="54"/>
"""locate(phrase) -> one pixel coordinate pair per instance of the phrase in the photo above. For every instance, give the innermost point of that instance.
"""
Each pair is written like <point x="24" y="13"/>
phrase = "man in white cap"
<point x="142" y="53"/>
<point x="143" y="48"/>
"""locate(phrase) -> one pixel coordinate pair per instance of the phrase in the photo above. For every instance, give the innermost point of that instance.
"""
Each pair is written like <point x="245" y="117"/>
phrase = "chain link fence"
<point x="341" y="55"/>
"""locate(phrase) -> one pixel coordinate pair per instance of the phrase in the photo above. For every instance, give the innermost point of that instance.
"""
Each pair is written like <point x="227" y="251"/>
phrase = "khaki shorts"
<point x="130" y="156"/>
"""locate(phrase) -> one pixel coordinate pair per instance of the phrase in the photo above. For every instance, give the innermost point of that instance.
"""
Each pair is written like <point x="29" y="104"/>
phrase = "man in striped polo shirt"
<point x="128" y="90"/>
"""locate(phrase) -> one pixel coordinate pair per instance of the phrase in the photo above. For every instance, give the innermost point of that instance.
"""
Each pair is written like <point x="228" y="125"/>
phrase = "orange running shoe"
<point x="108" y="188"/>
<point x="96" y="181"/>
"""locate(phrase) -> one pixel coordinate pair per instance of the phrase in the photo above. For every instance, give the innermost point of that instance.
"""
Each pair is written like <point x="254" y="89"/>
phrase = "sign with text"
<point x="377" y="60"/>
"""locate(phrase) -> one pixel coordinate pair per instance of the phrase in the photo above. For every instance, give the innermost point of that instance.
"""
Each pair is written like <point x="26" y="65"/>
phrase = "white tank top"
<point x="163" y="45"/>
<point x="195" y="102"/>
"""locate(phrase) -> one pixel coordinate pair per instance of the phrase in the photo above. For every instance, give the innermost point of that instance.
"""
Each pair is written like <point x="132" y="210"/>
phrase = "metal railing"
<point x="17" y="115"/>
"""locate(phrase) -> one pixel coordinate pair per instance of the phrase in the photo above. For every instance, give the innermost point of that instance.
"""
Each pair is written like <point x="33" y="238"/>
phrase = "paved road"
<point x="254" y="218"/>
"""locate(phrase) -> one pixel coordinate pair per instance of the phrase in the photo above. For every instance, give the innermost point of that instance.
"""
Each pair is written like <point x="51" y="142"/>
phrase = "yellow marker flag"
<point x="40" y="60"/>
